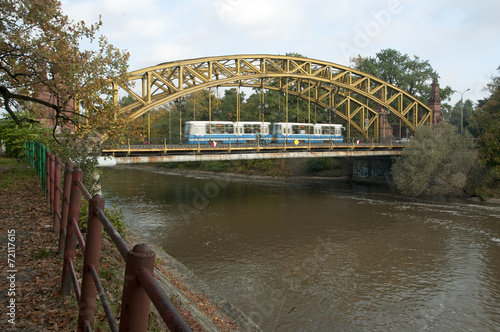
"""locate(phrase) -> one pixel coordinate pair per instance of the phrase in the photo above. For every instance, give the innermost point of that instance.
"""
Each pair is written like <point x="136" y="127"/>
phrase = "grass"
<point x="12" y="172"/>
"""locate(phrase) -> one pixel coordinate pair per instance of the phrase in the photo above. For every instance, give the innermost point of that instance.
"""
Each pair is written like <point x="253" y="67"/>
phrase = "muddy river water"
<point x="322" y="254"/>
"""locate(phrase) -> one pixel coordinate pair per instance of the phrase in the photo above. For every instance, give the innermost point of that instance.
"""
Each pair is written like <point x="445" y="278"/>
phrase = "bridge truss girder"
<point x="354" y="96"/>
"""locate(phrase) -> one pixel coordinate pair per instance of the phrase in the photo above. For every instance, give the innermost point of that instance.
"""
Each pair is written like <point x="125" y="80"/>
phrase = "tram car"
<point x="205" y="132"/>
<point x="307" y="132"/>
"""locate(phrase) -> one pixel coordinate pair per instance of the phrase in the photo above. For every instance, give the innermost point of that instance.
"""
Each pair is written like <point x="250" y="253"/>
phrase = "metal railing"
<point x="140" y="288"/>
<point x="132" y="147"/>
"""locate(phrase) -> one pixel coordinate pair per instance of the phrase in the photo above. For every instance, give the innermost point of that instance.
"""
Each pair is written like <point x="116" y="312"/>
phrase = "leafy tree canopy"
<point x="412" y="75"/>
<point x="461" y="111"/>
<point x="485" y="124"/>
<point x="40" y="54"/>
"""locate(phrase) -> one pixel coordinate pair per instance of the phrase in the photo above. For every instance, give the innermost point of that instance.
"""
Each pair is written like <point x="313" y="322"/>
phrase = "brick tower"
<point x="435" y="102"/>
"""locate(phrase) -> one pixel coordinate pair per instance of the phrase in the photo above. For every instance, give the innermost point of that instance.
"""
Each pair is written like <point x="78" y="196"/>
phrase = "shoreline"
<point x="259" y="178"/>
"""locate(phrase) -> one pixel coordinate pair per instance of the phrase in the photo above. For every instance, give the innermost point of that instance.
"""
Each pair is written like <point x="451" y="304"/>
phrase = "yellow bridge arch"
<point x="355" y="96"/>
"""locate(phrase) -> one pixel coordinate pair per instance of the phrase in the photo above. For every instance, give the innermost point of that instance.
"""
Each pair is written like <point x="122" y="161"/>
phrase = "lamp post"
<point x="462" y="111"/>
<point x="180" y="104"/>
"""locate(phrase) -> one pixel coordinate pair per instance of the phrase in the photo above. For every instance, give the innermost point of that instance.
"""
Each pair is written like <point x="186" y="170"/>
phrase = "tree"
<point x="40" y="57"/>
<point x="412" y="75"/>
<point x="455" y="117"/>
<point x="485" y="125"/>
<point x="438" y="160"/>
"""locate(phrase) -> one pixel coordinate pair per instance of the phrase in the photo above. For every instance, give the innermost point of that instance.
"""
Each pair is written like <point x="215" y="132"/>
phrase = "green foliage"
<point x="271" y="167"/>
<point x="44" y="66"/>
<point x="15" y="136"/>
<point x="114" y="215"/>
<point x="438" y="160"/>
<point x="42" y="253"/>
<point x="485" y="125"/>
<point x="318" y="164"/>
<point x="455" y="117"/>
<point x="82" y="152"/>
<point x="12" y="171"/>
<point x="412" y="75"/>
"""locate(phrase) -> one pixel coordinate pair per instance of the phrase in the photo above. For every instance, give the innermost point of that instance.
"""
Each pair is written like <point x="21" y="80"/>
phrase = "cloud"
<point x="459" y="38"/>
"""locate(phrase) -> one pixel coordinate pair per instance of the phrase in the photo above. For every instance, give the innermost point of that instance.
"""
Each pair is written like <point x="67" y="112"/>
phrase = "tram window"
<point x="248" y="128"/>
<point x="218" y="129"/>
<point x="229" y="128"/>
<point x="276" y="129"/>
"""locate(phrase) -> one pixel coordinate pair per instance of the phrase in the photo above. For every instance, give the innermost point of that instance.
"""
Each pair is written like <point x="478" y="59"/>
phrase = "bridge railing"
<point x="164" y="145"/>
<point x="140" y="288"/>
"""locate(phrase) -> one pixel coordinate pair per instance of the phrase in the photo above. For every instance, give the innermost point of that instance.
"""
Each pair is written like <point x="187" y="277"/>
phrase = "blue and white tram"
<point x="248" y="131"/>
<point x="225" y="131"/>
<point x="307" y="132"/>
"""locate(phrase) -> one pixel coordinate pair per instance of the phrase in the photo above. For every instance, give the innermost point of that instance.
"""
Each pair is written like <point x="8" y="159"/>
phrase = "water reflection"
<point x="304" y="255"/>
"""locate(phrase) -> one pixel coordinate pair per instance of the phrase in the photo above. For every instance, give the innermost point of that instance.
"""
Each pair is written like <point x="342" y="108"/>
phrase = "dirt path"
<point x="31" y="268"/>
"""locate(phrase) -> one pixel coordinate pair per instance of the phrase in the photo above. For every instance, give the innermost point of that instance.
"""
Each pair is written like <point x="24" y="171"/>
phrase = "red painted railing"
<point x="140" y="288"/>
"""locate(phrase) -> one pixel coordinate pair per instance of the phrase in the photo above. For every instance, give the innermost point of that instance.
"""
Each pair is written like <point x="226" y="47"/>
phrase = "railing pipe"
<point x="68" y="176"/>
<point x="74" y="281"/>
<point x="91" y="257"/>
<point x="84" y="190"/>
<point x="78" y="234"/>
<point x="70" y="242"/>
<point x="135" y="301"/>
<point x="120" y="243"/>
<point x="105" y="304"/>
<point x="165" y="308"/>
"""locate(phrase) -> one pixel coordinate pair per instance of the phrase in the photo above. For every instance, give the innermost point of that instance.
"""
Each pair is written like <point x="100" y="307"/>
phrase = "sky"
<point x="460" y="39"/>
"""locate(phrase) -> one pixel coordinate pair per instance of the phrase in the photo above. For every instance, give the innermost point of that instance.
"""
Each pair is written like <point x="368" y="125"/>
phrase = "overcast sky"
<point x="461" y="39"/>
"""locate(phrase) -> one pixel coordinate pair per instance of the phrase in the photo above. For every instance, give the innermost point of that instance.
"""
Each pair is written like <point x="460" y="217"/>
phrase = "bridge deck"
<point x="131" y="154"/>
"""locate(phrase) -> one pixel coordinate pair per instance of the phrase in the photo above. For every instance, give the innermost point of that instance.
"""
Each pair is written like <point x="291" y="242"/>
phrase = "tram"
<point x="204" y="132"/>
<point x="307" y="132"/>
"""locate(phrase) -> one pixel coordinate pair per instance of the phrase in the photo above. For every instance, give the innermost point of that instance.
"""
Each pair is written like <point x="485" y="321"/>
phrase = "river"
<point x="322" y="254"/>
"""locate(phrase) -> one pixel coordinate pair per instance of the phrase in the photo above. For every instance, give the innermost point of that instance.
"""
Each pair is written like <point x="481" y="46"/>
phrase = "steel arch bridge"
<point x="354" y="96"/>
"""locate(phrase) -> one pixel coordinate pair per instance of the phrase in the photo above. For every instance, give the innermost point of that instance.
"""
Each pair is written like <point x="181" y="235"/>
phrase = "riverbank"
<point x="29" y="253"/>
<point x="295" y="172"/>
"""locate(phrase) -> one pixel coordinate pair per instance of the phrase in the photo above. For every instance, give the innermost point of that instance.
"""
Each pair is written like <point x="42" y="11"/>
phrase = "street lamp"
<point x="180" y="104"/>
<point x="462" y="111"/>
<point x="262" y="109"/>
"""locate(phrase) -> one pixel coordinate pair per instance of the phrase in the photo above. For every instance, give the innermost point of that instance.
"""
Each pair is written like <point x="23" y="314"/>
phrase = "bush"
<point x="438" y="160"/>
<point x="114" y="215"/>
<point x="318" y="164"/>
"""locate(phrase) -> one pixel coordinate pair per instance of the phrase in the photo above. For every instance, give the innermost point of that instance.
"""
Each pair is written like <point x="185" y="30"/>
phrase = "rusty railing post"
<point x="135" y="301"/>
<point x="68" y="175"/>
<point x="52" y="182"/>
<point x="87" y="305"/>
<point x="70" y="242"/>
<point x="57" y="195"/>
<point x="47" y="176"/>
